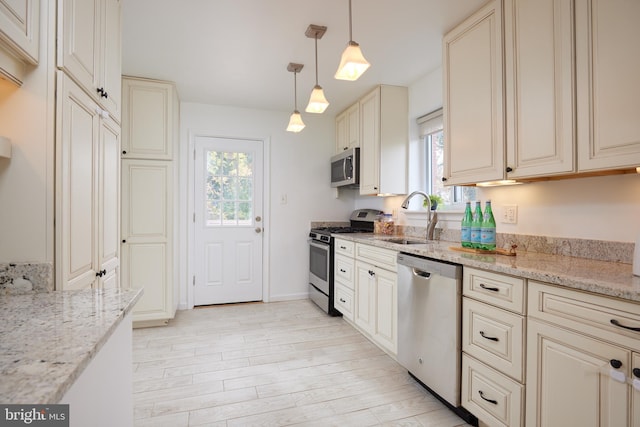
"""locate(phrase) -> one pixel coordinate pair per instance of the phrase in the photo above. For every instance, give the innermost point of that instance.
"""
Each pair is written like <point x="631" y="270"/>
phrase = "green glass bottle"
<point x="465" y="227"/>
<point x="488" y="229"/>
<point x="476" y="223"/>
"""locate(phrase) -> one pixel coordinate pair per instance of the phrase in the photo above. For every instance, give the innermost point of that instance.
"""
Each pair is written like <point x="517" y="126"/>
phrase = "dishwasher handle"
<point x="421" y="273"/>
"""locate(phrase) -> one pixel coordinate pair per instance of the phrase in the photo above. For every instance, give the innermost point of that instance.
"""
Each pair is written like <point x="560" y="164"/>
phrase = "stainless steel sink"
<point x="405" y="241"/>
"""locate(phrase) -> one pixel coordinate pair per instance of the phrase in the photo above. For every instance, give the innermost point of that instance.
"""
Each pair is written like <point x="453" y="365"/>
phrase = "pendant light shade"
<point x="295" y="121"/>
<point x="352" y="63"/>
<point x="317" y="101"/>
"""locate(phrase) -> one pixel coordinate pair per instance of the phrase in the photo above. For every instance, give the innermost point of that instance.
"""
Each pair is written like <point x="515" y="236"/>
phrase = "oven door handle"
<point x="324" y="246"/>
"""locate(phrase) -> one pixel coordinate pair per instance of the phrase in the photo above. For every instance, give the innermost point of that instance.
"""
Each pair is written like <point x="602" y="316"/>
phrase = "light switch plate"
<point x="510" y="214"/>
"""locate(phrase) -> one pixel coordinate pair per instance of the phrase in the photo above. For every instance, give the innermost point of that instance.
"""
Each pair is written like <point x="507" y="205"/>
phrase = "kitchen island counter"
<point x="600" y="277"/>
<point x="47" y="339"/>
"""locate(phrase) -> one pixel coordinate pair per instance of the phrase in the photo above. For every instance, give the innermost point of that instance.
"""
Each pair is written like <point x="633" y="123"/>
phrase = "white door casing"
<point x="228" y="220"/>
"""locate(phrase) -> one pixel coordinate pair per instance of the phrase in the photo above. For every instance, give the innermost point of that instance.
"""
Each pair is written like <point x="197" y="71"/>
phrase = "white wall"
<point x="299" y="169"/>
<point x="26" y="180"/>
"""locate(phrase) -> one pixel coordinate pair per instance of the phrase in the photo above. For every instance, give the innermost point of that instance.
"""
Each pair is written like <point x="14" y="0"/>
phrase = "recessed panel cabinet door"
<point x="111" y="69"/>
<point x="608" y="87"/>
<point x="365" y="297"/>
<point x="20" y="28"/>
<point x="109" y="205"/>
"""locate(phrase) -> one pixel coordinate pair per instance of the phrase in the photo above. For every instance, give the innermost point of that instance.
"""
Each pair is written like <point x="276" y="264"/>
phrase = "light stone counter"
<point x="47" y="339"/>
<point x="601" y="277"/>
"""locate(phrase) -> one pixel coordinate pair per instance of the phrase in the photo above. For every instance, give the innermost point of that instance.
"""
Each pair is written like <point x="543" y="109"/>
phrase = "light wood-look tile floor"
<point x="276" y="364"/>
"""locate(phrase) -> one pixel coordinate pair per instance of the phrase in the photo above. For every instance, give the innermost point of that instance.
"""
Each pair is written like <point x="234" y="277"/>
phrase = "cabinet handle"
<point x="636" y="372"/>
<point x="345" y="148"/>
<point x="104" y="272"/>
<point x="99" y="274"/>
<point x="489" y="288"/>
<point x="618" y="324"/>
<point x="615" y="363"/>
<point x="488" y="338"/>
<point x="509" y="169"/>
<point x="342" y="270"/>
<point x="495" y="402"/>
<point x="444" y="179"/>
<point x="342" y="300"/>
<point x="343" y="248"/>
<point x="372" y="273"/>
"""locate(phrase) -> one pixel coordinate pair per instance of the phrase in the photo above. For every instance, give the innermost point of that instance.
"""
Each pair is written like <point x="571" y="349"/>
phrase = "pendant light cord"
<point x="316" y="39"/>
<point x="295" y="91"/>
<point x="350" y="31"/>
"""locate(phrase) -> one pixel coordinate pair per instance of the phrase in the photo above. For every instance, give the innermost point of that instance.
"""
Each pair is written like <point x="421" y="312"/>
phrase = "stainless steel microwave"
<point x="345" y="168"/>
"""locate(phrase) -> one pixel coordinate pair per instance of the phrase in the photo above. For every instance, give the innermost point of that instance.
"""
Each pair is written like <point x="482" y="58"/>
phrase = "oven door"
<point x="319" y="254"/>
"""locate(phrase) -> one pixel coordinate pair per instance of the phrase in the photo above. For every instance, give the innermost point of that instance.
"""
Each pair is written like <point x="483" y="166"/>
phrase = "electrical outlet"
<point x="510" y="214"/>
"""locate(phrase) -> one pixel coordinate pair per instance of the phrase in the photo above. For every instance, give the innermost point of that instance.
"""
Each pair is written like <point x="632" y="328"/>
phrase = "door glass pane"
<point x="229" y="189"/>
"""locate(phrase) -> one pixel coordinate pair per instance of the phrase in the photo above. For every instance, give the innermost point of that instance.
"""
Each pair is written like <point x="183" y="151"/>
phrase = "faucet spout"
<point x="431" y="223"/>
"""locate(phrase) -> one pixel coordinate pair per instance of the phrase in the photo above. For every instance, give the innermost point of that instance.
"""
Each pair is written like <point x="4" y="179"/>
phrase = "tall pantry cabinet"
<point x="87" y="145"/>
<point x="150" y="124"/>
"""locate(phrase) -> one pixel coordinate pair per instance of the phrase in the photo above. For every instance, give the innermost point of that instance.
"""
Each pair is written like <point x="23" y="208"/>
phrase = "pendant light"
<point x="317" y="102"/>
<point x="295" y="121"/>
<point x="352" y="64"/>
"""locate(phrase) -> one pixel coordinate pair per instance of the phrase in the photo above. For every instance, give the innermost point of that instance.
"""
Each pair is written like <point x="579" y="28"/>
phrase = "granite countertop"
<point x="601" y="277"/>
<point x="47" y="339"/>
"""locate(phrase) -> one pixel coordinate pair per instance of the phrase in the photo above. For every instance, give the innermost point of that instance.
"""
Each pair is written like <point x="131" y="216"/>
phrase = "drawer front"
<point x="586" y="313"/>
<point x="344" y="268"/>
<point x="343" y="301"/>
<point x="379" y="257"/>
<point x="503" y="291"/>
<point x="494" y="398"/>
<point x="494" y="336"/>
<point x="344" y="247"/>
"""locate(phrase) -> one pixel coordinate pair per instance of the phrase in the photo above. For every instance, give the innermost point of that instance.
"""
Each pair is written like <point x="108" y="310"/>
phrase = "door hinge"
<point x="194" y="154"/>
<point x="194" y="217"/>
<point x="194" y="280"/>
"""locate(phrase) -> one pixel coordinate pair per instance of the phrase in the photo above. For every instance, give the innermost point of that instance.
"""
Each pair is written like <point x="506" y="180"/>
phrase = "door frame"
<point x="191" y="239"/>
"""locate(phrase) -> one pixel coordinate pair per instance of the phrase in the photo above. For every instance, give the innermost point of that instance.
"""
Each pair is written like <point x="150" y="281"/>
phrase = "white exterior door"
<point x="228" y="220"/>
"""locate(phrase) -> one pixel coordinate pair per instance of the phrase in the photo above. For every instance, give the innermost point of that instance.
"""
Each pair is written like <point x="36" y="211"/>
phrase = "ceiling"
<point x="236" y="52"/>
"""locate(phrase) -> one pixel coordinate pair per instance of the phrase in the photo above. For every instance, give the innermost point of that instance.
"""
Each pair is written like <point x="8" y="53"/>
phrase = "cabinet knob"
<point x="615" y="363"/>
<point x="444" y="179"/>
<point x="636" y="372"/>
<point x="342" y="300"/>
<point x="372" y="273"/>
<point x="124" y="240"/>
<point x="124" y="151"/>
<point x="509" y="169"/>
<point x="99" y="274"/>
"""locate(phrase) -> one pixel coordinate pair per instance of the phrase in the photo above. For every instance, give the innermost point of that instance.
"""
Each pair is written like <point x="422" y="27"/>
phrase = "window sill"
<point x="419" y="218"/>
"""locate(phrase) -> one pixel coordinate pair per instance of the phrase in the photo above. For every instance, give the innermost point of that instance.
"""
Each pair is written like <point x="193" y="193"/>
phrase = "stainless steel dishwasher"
<point x="429" y="317"/>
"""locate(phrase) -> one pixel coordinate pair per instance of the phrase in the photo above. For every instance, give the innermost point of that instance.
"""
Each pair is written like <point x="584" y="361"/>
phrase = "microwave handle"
<point x="344" y="167"/>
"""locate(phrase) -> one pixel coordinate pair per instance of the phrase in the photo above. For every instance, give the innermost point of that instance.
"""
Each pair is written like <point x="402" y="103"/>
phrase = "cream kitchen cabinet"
<point x="376" y="295"/>
<point x="19" y="37"/>
<point x="344" y="280"/>
<point x="348" y="128"/>
<point x="87" y="191"/>
<point x="89" y="48"/>
<point x="473" y="103"/>
<point x="147" y="238"/>
<point x="493" y="358"/>
<point x="573" y="349"/>
<point x="539" y="82"/>
<point x="384" y="130"/>
<point x="150" y="118"/>
<point x="608" y="91"/>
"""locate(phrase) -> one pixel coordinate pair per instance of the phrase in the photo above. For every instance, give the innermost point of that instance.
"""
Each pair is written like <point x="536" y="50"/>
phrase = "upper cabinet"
<point x="150" y="118"/>
<point x="384" y="135"/>
<point x="473" y="98"/>
<point x="608" y="86"/>
<point x="571" y="94"/>
<point x="19" y="37"/>
<point x="89" y="48"/>
<point x="348" y="128"/>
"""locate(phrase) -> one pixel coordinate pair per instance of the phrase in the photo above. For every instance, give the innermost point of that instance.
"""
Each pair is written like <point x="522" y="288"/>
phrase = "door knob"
<point x="258" y="229"/>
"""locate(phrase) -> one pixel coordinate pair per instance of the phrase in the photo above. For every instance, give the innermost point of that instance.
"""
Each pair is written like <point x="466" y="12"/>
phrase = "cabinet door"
<point x="353" y="126"/>
<point x="568" y="379"/>
<point x="146" y="234"/>
<point x="76" y="186"/>
<point x="387" y="309"/>
<point x="20" y="28"/>
<point x="111" y="69"/>
<point x="539" y="87"/>
<point x="365" y="297"/>
<point x="342" y="131"/>
<point x="79" y="41"/>
<point x="370" y="143"/>
<point x="147" y="125"/>
<point x="473" y="99"/>
<point x="608" y="91"/>
<point x="635" y="408"/>
<point x="109" y="202"/>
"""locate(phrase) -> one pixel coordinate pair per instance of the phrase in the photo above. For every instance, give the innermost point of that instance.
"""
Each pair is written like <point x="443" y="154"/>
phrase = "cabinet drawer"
<point x="344" y="268"/>
<point x="495" y="399"/>
<point x="494" y="336"/>
<point x="586" y="313"/>
<point x="343" y="301"/>
<point x="344" y="247"/>
<point x="497" y="289"/>
<point x="379" y="257"/>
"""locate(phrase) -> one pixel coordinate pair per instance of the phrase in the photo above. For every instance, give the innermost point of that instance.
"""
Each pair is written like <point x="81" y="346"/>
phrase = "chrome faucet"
<point x="431" y="221"/>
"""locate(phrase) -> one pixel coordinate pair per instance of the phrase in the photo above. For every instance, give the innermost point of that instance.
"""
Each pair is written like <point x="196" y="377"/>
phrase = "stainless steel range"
<point x="321" y="286"/>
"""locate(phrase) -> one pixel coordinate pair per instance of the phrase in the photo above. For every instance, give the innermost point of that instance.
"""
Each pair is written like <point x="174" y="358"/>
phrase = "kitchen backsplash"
<point x="25" y="277"/>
